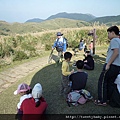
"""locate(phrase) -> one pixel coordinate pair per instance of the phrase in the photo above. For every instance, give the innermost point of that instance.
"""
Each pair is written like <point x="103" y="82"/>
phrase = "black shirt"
<point x="79" y="80"/>
<point x="90" y="61"/>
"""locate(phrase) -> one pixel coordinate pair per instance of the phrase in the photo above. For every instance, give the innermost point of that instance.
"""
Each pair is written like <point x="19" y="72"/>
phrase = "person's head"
<point x="113" y="32"/>
<point x="91" y="41"/>
<point x="67" y="56"/>
<point x="87" y="52"/>
<point x="81" y="40"/>
<point x="80" y="64"/>
<point x="37" y="93"/>
<point x="22" y="89"/>
<point x="59" y="34"/>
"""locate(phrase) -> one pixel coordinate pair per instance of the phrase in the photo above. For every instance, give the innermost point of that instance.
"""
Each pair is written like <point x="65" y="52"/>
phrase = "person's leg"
<point x="101" y="88"/>
<point x="112" y="75"/>
<point x="108" y="83"/>
<point x="87" y="67"/>
<point x="100" y="85"/>
<point x="60" y="56"/>
<point x="66" y="86"/>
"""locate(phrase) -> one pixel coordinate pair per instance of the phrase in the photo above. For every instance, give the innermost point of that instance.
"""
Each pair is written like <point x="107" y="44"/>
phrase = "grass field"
<point x="50" y="78"/>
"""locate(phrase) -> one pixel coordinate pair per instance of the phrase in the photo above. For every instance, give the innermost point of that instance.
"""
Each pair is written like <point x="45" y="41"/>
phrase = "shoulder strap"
<point x="57" y="39"/>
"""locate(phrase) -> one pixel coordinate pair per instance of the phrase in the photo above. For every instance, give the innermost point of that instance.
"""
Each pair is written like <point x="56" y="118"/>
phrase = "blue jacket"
<point x="60" y="43"/>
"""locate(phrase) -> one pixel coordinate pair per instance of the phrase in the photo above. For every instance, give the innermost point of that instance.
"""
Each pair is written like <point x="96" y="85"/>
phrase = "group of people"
<point x="32" y="101"/>
<point x="74" y="80"/>
<point x="61" y="45"/>
<point x="83" y="46"/>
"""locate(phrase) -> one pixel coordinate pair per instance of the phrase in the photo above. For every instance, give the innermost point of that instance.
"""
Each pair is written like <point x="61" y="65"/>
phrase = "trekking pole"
<point x="50" y="57"/>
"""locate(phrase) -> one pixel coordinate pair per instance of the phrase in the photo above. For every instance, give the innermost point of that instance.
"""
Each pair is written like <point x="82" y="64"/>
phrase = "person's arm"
<point x="64" y="70"/>
<point x="54" y="45"/>
<point x="69" y="77"/>
<point x="113" y="57"/>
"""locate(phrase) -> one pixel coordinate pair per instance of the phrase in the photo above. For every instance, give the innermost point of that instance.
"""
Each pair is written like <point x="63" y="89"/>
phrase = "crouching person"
<point x="88" y="61"/>
<point x="33" y="108"/>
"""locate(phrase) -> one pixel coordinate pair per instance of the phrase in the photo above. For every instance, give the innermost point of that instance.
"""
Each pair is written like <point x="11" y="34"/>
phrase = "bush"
<point x="20" y="55"/>
<point x="47" y="47"/>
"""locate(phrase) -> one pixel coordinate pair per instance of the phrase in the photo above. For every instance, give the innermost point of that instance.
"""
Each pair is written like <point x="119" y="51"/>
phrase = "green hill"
<point x="74" y="16"/>
<point x="20" y="28"/>
<point x="109" y="20"/>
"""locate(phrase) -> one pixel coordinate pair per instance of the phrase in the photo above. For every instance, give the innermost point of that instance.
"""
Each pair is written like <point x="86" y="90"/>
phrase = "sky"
<point x="23" y="10"/>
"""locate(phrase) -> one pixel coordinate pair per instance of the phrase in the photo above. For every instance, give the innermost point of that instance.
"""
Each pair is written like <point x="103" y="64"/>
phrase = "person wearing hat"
<point x="60" y="44"/>
<point x="88" y="61"/>
<point x="24" y="91"/>
<point x="35" y="105"/>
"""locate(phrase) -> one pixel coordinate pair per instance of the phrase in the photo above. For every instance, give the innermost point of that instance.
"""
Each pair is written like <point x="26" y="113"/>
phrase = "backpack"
<point x="66" y="42"/>
<point x="60" y="44"/>
<point x="78" y="97"/>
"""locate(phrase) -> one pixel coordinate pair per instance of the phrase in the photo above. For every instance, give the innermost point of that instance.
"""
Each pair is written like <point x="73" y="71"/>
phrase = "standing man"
<point x="111" y="68"/>
<point x="60" y="45"/>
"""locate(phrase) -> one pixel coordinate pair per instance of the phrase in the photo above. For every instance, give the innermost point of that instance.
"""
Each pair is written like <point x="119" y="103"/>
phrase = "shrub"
<point x="20" y="55"/>
<point x="47" y="47"/>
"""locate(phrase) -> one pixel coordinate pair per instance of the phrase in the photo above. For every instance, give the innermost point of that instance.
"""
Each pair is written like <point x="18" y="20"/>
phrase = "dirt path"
<point x="11" y="75"/>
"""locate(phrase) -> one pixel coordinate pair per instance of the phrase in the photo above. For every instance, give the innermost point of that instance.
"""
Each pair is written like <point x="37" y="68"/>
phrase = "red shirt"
<point x="91" y="46"/>
<point x="31" y="112"/>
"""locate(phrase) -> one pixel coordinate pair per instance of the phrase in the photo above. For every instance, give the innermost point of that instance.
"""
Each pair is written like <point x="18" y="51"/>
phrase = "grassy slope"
<point x="42" y="26"/>
<point x="50" y="77"/>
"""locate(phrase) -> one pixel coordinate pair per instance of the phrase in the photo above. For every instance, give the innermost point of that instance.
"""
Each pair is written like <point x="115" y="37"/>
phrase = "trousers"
<point x="106" y="82"/>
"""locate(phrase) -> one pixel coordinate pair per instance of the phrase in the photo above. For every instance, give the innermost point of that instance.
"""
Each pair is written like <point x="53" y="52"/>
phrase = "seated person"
<point x="35" y="105"/>
<point x="24" y="91"/>
<point x="88" y="61"/>
<point x="79" y="78"/>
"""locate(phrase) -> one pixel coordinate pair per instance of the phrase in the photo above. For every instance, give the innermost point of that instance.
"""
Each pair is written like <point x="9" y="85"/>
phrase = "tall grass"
<point x="32" y="44"/>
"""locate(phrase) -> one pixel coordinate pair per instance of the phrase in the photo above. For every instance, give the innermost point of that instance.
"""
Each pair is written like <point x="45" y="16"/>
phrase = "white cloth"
<point x="117" y="81"/>
<point x="22" y="98"/>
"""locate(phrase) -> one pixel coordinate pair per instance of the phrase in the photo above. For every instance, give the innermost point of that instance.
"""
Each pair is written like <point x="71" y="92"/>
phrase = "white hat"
<point x="23" y="87"/>
<point x="117" y="81"/>
<point x="37" y="91"/>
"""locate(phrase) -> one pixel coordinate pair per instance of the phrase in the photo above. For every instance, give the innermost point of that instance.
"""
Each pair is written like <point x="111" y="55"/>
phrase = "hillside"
<point x="7" y="28"/>
<point x="60" y="20"/>
<point x="108" y="20"/>
<point x="35" y="20"/>
<point x="74" y="16"/>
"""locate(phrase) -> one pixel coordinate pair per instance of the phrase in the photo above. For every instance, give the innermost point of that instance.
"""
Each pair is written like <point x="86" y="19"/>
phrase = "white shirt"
<point x="22" y="98"/>
<point x="117" y="81"/>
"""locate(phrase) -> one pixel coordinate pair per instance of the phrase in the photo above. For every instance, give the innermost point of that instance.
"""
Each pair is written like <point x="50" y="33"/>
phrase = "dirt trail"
<point x="11" y="75"/>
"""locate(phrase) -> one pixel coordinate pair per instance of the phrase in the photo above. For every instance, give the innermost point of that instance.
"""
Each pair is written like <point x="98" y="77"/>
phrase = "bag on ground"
<point x="78" y="97"/>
